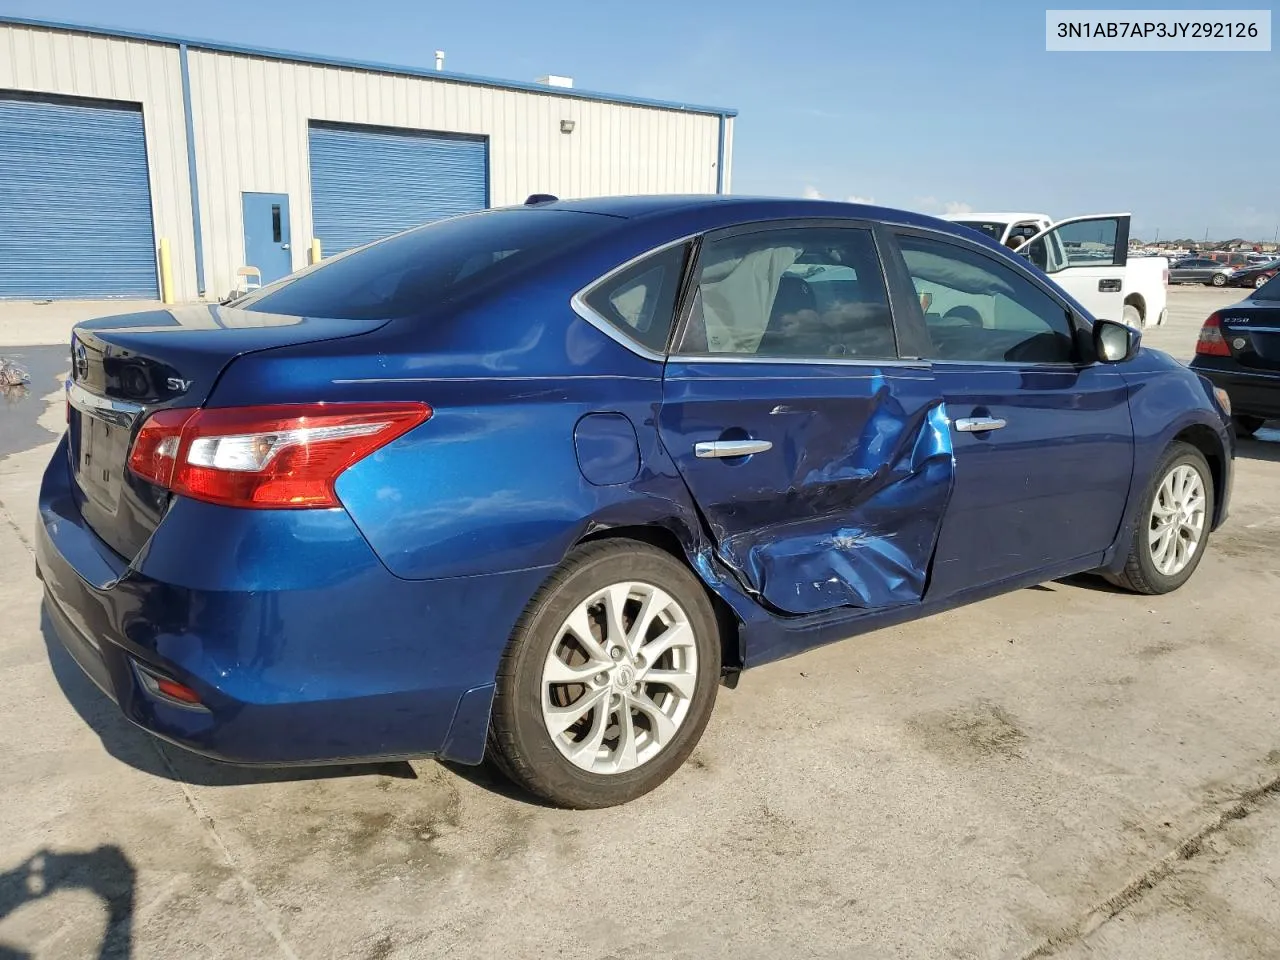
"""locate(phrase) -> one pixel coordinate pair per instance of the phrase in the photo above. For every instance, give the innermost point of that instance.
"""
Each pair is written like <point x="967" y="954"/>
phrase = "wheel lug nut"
<point x="635" y="688"/>
<point x="616" y="653"/>
<point x="601" y="679"/>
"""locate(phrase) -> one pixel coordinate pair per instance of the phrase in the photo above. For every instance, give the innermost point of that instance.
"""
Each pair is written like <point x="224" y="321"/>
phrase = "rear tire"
<point x="1246" y="425"/>
<point x="1219" y="280"/>
<point x="1172" y="528"/>
<point x="576" y="721"/>
<point x="1261" y="281"/>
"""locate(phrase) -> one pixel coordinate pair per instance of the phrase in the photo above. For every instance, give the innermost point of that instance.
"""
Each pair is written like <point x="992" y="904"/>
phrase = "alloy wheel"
<point x="1177" y="522"/>
<point x="619" y="677"/>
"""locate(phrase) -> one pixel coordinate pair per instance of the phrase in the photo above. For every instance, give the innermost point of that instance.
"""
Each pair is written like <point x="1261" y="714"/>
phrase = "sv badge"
<point x="178" y="385"/>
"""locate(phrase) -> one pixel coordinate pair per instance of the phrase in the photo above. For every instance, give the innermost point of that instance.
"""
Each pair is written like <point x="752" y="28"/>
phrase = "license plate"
<point x="102" y="459"/>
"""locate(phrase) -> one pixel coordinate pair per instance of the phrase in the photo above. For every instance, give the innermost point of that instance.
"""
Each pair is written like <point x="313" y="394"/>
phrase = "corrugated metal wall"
<point x="251" y="117"/>
<point x="79" y="65"/>
<point x="252" y="114"/>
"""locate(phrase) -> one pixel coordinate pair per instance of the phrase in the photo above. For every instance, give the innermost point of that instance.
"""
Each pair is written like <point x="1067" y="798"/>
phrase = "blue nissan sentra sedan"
<point x="532" y="483"/>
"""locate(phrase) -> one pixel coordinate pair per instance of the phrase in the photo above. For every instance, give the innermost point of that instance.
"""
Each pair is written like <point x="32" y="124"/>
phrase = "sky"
<point x="922" y="104"/>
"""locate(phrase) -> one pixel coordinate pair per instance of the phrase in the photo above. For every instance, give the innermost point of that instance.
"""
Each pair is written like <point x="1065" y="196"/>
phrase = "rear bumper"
<point x="1252" y="393"/>
<point x="302" y="647"/>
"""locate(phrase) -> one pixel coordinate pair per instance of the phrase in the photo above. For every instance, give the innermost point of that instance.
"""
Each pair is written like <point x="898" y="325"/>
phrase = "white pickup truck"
<point x="1086" y="256"/>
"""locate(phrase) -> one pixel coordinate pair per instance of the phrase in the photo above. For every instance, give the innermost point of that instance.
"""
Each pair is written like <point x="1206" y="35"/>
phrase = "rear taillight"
<point x="288" y="455"/>
<point x="1211" y="343"/>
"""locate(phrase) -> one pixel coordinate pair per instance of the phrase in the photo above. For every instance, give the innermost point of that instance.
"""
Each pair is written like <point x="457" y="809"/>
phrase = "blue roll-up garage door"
<point x="370" y="182"/>
<point x="75" y="201"/>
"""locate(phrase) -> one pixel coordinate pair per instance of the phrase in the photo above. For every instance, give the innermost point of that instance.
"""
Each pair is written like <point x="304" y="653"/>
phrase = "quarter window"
<point x="812" y="293"/>
<point x="640" y="301"/>
<point x="977" y="309"/>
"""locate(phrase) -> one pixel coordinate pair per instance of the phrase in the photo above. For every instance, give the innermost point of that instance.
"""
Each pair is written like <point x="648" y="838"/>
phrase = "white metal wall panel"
<point x="251" y="130"/>
<point x="726" y="186"/>
<point x="370" y="182"/>
<point x="75" y="203"/>
<point x="108" y="68"/>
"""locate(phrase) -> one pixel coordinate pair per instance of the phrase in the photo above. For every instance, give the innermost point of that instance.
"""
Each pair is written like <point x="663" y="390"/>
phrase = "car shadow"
<point x="488" y="778"/>
<point x="1091" y="581"/>
<point x="1263" y="445"/>
<point x="105" y="872"/>
<point x="134" y="746"/>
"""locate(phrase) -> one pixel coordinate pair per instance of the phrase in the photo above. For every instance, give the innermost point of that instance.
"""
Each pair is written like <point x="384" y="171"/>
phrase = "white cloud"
<point x="812" y="193"/>
<point x="931" y="204"/>
<point x="854" y="198"/>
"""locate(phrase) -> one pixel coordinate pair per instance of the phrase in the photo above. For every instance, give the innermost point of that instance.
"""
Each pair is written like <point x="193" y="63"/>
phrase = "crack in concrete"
<point x="264" y="912"/>
<point x="1153" y="876"/>
<point x="17" y="530"/>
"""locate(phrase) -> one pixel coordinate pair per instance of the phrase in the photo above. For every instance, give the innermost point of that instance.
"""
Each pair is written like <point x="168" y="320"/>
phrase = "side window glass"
<point x="641" y="300"/>
<point x="980" y="310"/>
<point x="1085" y="243"/>
<point x="810" y="293"/>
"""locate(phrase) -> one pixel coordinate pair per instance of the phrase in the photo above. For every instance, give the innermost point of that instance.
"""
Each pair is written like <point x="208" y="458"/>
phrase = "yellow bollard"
<point x="166" y="272"/>
<point x="315" y="250"/>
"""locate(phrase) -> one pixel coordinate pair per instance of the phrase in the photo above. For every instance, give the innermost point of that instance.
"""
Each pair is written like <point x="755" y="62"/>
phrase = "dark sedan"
<point x="1239" y="350"/>
<point x="1200" y="270"/>
<point x="1254" y="274"/>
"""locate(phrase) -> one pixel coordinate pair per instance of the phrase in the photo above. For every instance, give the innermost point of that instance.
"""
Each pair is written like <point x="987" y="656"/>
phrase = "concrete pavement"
<point x="1064" y="771"/>
<point x="25" y="323"/>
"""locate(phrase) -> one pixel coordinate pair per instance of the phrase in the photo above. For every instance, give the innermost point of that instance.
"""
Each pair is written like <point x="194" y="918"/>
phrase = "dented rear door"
<point x="821" y="463"/>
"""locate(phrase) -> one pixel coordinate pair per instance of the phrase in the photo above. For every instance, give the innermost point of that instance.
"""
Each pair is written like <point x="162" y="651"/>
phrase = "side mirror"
<point x="1114" y="342"/>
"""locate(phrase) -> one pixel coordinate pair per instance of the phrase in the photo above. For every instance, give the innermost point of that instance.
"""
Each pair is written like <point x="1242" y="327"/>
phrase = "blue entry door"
<point x="266" y="234"/>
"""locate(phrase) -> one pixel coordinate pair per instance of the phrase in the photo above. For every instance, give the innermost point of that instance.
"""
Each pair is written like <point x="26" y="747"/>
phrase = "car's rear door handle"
<point x="730" y="448"/>
<point x="980" y="424"/>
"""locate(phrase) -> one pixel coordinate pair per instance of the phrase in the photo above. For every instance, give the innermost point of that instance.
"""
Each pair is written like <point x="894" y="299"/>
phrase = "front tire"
<point x="609" y="678"/>
<point x="1172" y="529"/>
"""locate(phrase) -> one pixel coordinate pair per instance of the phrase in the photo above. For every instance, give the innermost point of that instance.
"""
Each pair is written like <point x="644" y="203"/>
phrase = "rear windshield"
<point x="413" y="272"/>
<point x="1269" y="290"/>
<point x="991" y="228"/>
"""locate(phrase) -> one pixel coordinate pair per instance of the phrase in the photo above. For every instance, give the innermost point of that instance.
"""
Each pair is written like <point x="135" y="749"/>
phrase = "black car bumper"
<point x="1253" y="393"/>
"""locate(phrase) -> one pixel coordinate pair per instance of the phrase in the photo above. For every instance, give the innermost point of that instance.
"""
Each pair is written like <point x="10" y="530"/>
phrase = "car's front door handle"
<point x="1110" y="285"/>
<point x="730" y="448"/>
<point x="980" y="424"/>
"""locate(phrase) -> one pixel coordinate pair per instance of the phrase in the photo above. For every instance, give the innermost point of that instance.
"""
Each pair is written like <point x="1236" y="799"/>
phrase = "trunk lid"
<point x="125" y="368"/>
<point x="1251" y="329"/>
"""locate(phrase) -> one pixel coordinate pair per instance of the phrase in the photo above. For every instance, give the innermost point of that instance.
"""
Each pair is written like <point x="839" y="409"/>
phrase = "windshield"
<point x="1269" y="290"/>
<point x="992" y="228"/>
<point x="426" y="267"/>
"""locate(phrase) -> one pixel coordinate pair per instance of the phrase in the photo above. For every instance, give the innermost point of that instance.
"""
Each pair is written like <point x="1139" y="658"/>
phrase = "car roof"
<point x="731" y="210"/>
<point x="1008" y="216"/>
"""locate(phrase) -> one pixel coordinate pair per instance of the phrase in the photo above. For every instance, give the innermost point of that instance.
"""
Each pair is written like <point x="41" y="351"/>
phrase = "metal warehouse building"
<point x="113" y="144"/>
